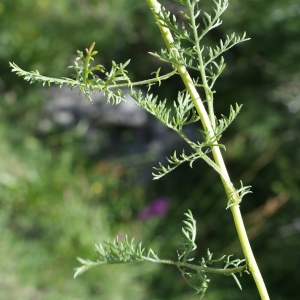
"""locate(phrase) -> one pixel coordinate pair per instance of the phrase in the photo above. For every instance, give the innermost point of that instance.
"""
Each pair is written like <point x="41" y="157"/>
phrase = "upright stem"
<point x="232" y="195"/>
<point x="208" y="94"/>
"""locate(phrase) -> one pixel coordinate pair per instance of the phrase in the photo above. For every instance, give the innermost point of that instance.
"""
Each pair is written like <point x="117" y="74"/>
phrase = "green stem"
<point x="86" y="62"/>
<point x="148" y="81"/>
<point x="33" y="76"/>
<point x="225" y="271"/>
<point x="208" y="93"/>
<point x="86" y="69"/>
<point x="228" y="271"/>
<point x="228" y="186"/>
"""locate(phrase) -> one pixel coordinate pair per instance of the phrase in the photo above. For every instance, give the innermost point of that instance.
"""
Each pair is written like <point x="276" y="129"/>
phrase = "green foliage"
<point x="49" y="200"/>
<point x="255" y="78"/>
<point x="82" y="81"/>
<point x="184" y="114"/>
<point x="197" y="57"/>
<point x="186" y="111"/>
<point x="260" y="143"/>
<point x="116" y="252"/>
<point x="196" y="277"/>
<point x="114" y="80"/>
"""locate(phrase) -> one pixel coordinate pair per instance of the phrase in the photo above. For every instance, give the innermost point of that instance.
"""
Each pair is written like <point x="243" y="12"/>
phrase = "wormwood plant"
<point x="184" y="50"/>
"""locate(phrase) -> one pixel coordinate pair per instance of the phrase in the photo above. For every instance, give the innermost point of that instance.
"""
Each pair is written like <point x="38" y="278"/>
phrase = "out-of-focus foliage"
<point x="49" y="210"/>
<point x="52" y="211"/>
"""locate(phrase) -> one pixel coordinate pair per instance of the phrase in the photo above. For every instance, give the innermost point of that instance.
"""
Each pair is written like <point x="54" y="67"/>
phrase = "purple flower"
<point x="158" y="207"/>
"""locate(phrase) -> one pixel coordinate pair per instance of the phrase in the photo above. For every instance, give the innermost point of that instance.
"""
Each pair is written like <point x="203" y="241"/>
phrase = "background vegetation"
<point x="56" y="200"/>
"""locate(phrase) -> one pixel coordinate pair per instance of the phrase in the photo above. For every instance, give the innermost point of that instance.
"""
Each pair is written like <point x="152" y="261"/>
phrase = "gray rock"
<point x="66" y="107"/>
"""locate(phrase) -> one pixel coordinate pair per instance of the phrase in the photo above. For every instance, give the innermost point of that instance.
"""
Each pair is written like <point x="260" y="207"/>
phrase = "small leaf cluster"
<point x="184" y="113"/>
<point x="197" y="56"/>
<point x="241" y="192"/>
<point x="85" y="77"/>
<point x="116" y="252"/>
<point x="86" y="74"/>
<point x="197" y="278"/>
<point x="35" y="76"/>
<point x="224" y="122"/>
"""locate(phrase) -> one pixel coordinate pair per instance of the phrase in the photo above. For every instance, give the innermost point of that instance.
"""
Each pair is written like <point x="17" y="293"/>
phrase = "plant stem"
<point x="227" y="272"/>
<point x="232" y="194"/>
<point x="86" y="62"/>
<point x="208" y="93"/>
<point x="28" y="76"/>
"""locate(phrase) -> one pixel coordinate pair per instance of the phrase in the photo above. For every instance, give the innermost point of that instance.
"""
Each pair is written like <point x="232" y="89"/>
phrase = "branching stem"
<point x="232" y="194"/>
<point x="225" y="271"/>
<point x="67" y="81"/>
<point x="208" y="93"/>
<point x="228" y="271"/>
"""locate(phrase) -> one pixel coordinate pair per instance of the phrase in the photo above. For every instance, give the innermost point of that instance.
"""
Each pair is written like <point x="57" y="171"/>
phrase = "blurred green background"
<point x="56" y="201"/>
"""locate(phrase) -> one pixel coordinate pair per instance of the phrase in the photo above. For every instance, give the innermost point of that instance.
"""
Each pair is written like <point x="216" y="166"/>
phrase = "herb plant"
<point x="184" y="51"/>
